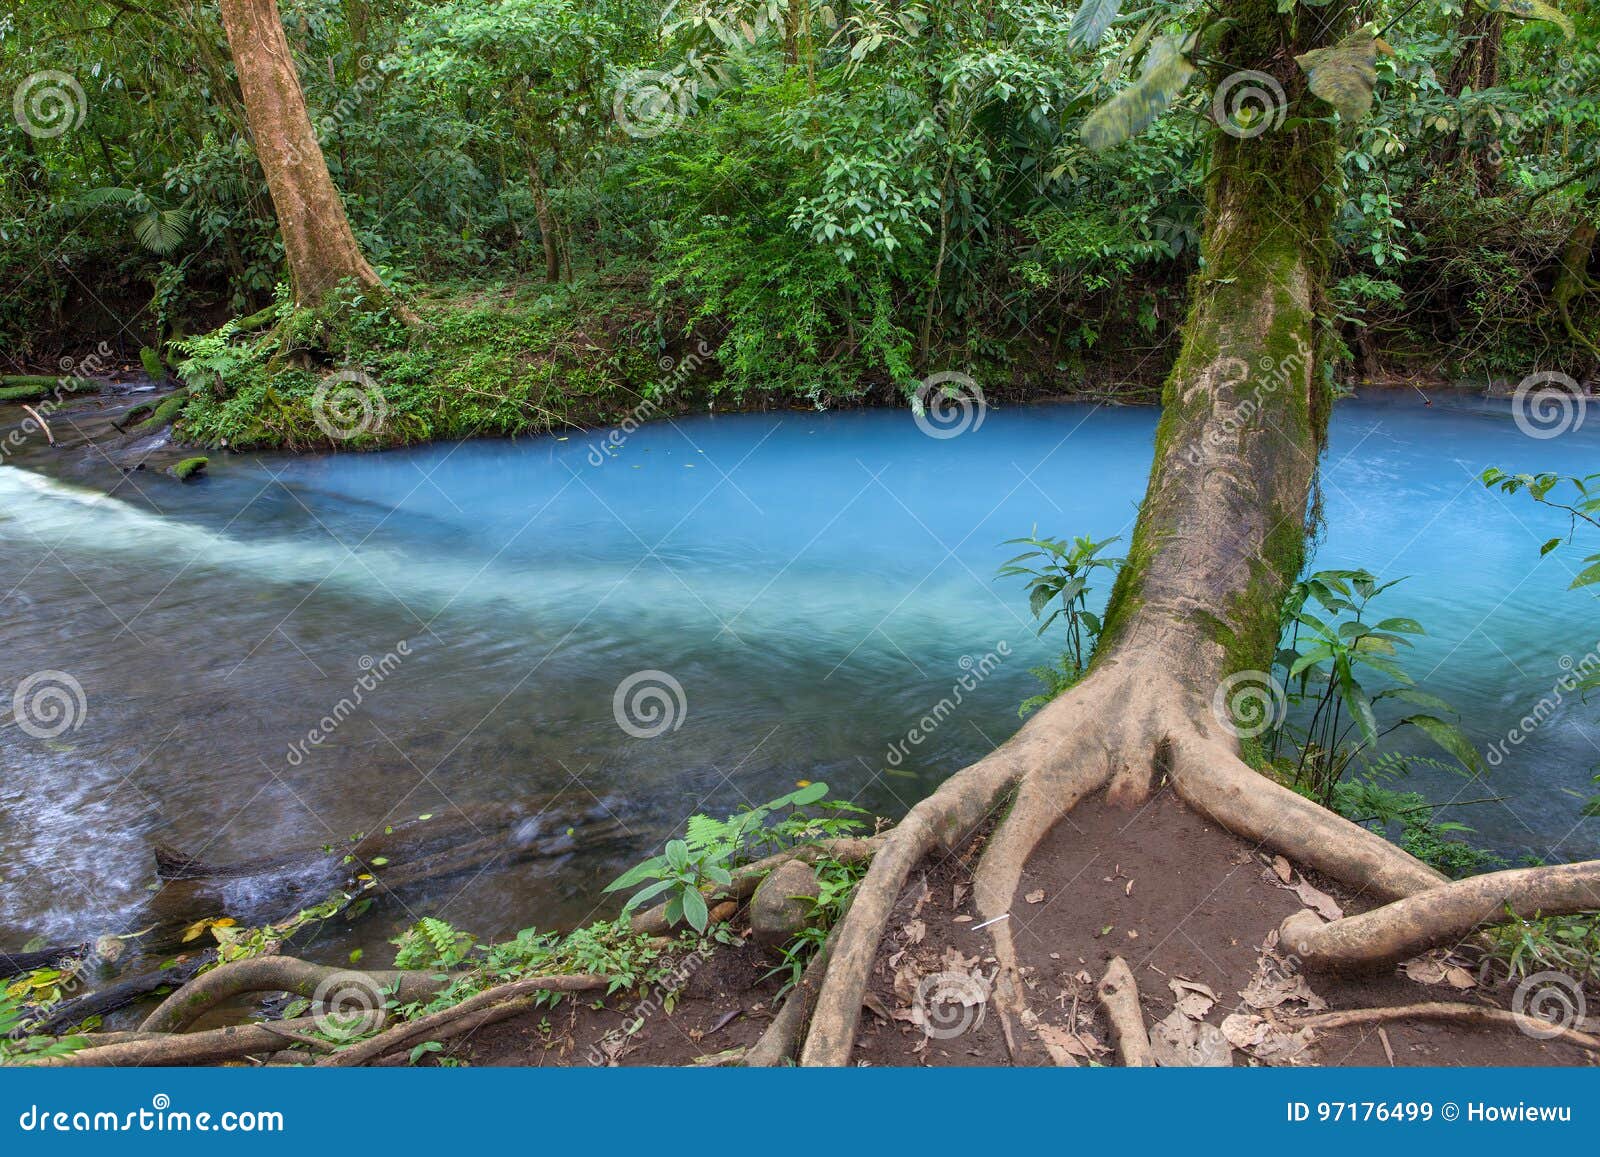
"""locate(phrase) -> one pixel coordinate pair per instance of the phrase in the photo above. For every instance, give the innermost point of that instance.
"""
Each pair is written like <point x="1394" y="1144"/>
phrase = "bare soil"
<point x="1169" y="891"/>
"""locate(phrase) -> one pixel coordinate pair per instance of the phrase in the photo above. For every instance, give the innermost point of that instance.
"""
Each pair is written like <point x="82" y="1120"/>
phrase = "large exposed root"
<point x="1119" y="996"/>
<point x="1444" y="915"/>
<point x="284" y="974"/>
<point x="1212" y="779"/>
<point x="943" y="819"/>
<point x="1470" y="1014"/>
<point x="1121" y="732"/>
<point x="192" y="1048"/>
<point x="778" y="1043"/>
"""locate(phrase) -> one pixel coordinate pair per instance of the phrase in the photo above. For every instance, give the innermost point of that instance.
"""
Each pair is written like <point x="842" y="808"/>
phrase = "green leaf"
<point x="1167" y="71"/>
<point x="1450" y="738"/>
<point x="1417" y="698"/>
<point x="637" y="874"/>
<point x="1532" y="10"/>
<point x="1090" y="21"/>
<point x="694" y="909"/>
<point x="1346" y="74"/>
<point x="1589" y="575"/>
<point x="1409" y="626"/>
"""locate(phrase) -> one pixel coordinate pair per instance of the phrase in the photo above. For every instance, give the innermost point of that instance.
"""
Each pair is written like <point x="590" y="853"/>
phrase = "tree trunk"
<point x="317" y="240"/>
<point x="547" y="224"/>
<point x="1474" y="147"/>
<point x="1222" y="529"/>
<point x="1220" y="536"/>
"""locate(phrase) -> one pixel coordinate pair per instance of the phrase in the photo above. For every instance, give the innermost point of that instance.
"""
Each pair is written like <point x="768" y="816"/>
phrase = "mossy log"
<point x="30" y="387"/>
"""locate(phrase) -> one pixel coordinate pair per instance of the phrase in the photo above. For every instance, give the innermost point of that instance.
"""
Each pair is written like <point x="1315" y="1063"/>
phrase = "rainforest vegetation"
<point x="359" y="225"/>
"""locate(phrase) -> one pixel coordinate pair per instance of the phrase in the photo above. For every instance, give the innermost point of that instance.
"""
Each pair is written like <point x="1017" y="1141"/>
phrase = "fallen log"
<point x="16" y="963"/>
<point x="31" y="387"/>
<point x="120" y="993"/>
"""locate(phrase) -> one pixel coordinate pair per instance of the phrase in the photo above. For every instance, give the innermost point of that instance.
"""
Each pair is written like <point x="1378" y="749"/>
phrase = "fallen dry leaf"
<point x="1264" y="1040"/>
<point x="1180" y="1043"/>
<point x="1035" y="897"/>
<point x="1194" y="1000"/>
<point x="1062" y="1046"/>
<point x="915" y="931"/>
<point x="1283" y="868"/>
<point x="1318" y="900"/>
<point x="1270" y="988"/>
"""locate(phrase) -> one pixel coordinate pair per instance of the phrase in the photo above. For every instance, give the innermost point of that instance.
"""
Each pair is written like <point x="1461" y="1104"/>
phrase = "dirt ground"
<point x="1191" y="909"/>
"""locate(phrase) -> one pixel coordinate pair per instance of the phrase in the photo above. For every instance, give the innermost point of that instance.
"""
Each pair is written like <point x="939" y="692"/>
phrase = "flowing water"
<point x="814" y="583"/>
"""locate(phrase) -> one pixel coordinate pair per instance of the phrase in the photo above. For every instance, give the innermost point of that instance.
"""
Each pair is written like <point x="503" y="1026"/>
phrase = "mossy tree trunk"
<point x="1221" y="534"/>
<point x="1222" y="529"/>
<point x="317" y="241"/>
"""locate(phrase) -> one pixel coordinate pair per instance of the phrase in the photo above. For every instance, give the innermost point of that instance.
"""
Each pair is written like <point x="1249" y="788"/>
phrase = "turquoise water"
<point x="813" y="583"/>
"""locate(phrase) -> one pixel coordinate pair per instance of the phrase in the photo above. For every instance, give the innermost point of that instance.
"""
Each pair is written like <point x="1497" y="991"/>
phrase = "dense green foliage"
<point x="838" y="200"/>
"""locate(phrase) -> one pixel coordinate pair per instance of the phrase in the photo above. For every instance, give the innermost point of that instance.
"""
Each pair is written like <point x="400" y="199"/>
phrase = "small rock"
<point x="782" y="904"/>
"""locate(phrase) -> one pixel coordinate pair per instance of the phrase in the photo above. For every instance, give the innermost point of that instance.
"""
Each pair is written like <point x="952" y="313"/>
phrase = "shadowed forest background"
<point x="837" y="199"/>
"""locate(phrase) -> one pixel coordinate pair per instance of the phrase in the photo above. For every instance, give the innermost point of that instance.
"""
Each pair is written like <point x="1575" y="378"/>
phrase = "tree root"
<point x="193" y="1048"/>
<point x="781" y="1038"/>
<point x="1119" y="732"/>
<point x="509" y="999"/>
<point x="1444" y="915"/>
<point x="1214" y="781"/>
<point x="285" y="974"/>
<point x="1119" y="996"/>
<point x="1472" y="1014"/>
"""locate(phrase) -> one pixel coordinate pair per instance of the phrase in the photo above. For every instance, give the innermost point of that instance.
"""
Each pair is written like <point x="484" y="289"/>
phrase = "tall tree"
<point x="317" y="240"/>
<point x="1220" y="535"/>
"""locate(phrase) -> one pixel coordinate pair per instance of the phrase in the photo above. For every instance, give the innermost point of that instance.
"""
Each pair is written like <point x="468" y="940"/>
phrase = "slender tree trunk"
<point x="548" y="237"/>
<point x="321" y="249"/>
<point x="1472" y="148"/>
